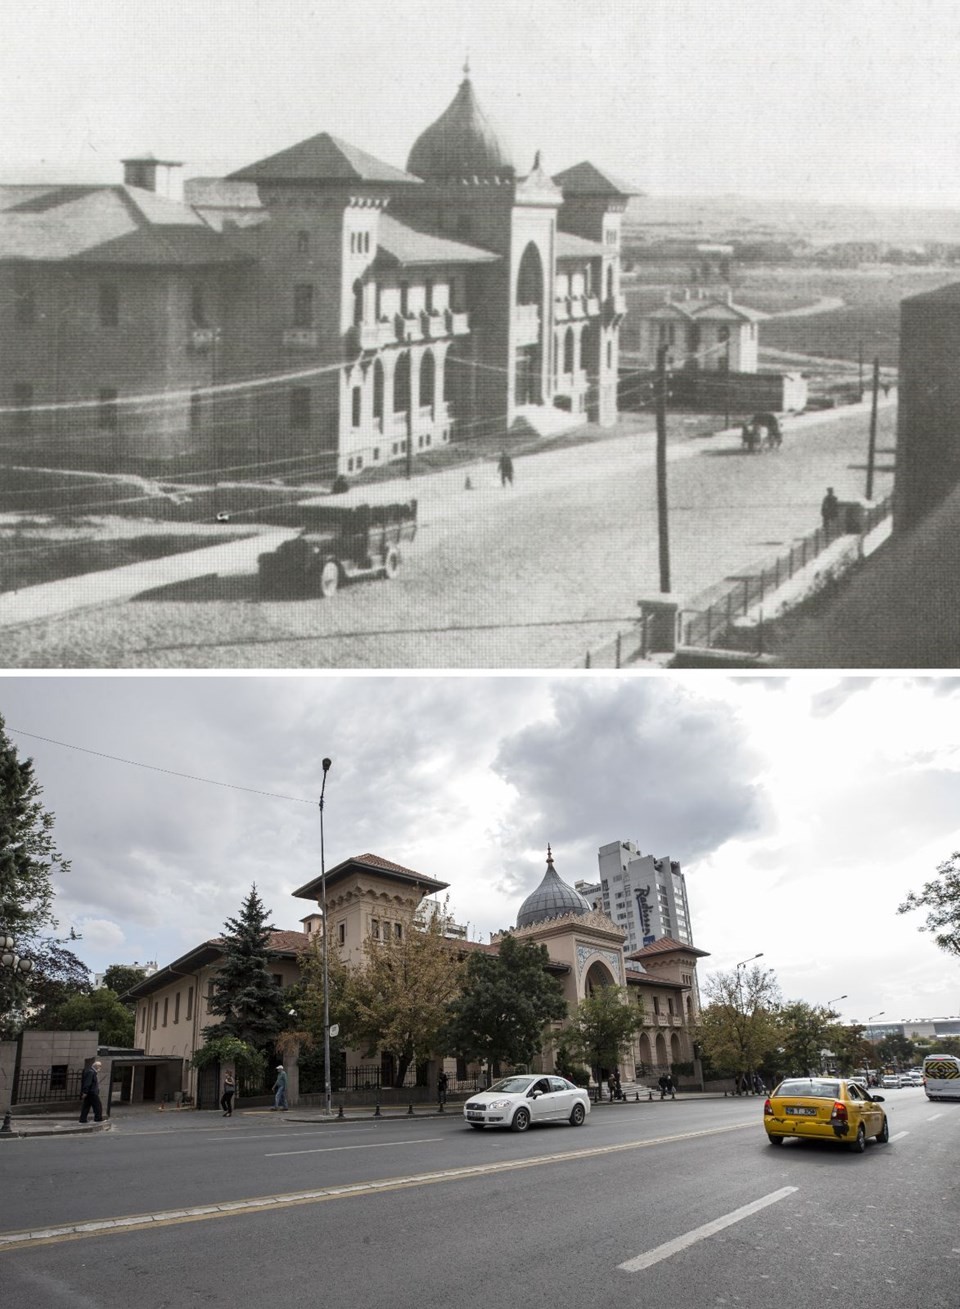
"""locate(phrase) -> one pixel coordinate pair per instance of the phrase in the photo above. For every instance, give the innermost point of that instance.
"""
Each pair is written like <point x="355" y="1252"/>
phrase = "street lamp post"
<point x="325" y="764"/>
<point x="834" y="1000"/>
<point x="742" y="964"/>
<point x="17" y="964"/>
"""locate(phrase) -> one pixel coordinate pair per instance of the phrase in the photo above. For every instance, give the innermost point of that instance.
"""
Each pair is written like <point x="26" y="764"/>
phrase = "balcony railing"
<point x="561" y="310"/>
<point x="591" y="304"/>
<point x="408" y="327"/>
<point x="366" y="336"/>
<point x="300" y="338"/>
<point x="576" y="306"/>
<point x="432" y="324"/>
<point x="458" y="322"/>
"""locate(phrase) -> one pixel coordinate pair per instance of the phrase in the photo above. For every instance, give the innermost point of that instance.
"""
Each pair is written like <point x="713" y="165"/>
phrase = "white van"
<point x="941" y="1077"/>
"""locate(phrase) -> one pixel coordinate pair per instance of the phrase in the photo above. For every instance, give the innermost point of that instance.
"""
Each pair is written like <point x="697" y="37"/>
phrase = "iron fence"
<point x="710" y="625"/>
<point x="38" y="1085"/>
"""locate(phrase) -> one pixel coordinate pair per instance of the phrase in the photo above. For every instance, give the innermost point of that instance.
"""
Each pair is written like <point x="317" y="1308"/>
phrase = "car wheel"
<point x="329" y="579"/>
<point x="521" y="1120"/>
<point x="883" y="1136"/>
<point x="391" y="564"/>
<point x="577" y="1116"/>
<point x="860" y="1144"/>
<point x="775" y="1140"/>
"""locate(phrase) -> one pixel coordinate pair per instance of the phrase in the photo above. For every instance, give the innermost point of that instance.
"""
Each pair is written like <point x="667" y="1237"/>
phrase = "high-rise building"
<point x="645" y="896"/>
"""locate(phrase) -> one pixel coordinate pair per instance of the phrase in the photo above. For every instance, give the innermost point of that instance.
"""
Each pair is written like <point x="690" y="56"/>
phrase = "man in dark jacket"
<point x="90" y="1090"/>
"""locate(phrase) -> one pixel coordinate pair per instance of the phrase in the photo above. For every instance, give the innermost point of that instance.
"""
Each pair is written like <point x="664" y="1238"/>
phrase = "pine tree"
<point x="245" y="995"/>
<point x="28" y="860"/>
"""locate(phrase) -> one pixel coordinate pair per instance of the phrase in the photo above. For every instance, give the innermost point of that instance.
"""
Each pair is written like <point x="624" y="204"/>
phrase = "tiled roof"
<point x="570" y="246"/>
<point x="409" y="247"/>
<point x="587" y="179"/>
<point x="281" y="942"/>
<point x="322" y="158"/>
<point x="106" y="224"/>
<point x="374" y="862"/>
<point x="666" y="945"/>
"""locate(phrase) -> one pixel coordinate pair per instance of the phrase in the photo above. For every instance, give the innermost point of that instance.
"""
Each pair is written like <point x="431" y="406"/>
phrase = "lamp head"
<point x="325" y="764"/>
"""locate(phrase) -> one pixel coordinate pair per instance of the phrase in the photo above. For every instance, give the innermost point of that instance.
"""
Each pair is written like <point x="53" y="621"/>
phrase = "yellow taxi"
<point x="825" y="1109"/>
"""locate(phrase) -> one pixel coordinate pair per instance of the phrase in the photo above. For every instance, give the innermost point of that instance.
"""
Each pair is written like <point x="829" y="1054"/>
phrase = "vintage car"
<point x="336" y="544"/>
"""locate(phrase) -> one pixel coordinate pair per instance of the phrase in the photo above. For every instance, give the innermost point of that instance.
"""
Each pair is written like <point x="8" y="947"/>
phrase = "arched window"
<point x="530" y="277"/>
<point x="609" y="281"/>
<point x="401" y="385"/>
<point x="568" y="351"/>
<point x="428" y="378"/>
<point x="357" y="303"/>
<point x="378" y="390"/>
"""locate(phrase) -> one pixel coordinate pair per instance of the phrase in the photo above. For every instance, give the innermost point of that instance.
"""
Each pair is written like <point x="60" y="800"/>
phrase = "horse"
<point x="769" y="425"/>
<point x="749" y="438"/>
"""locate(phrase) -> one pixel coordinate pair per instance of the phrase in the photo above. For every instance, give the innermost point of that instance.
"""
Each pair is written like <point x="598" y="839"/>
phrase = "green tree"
<point x="248" y="1062"/>
<point x="852" y="1050"/>
<point x="896" y="1049"/>
<point x="246" y="997"/>
<point x="506" y="1003"/>
<point x="120" y="978"/>
<point x="805" y="1031"/>
<point x="29" y="859"/>
<point x="399" y="1001"/>
<point x="98" y="1011"/>
<point x="738" y="1028"/>
<point x="941" y="898"/>
<point x="604" y="1027"/>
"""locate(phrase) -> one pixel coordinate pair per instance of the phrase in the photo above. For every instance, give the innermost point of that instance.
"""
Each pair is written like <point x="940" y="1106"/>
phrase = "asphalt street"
<point x="677" y="1203"/>
<point x="532" y="575"/>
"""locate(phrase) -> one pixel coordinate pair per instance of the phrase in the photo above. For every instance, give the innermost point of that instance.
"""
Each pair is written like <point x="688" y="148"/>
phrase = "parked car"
<point x="518" y="1101"/>
<point x="825" y="1109"/>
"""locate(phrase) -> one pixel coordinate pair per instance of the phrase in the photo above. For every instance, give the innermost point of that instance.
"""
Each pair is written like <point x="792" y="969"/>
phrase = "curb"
<point x="78" y="1129"/>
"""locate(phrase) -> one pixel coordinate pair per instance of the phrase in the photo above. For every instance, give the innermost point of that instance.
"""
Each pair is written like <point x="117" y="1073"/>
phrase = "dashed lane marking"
<point x="265" y="1203"/>
<point x="898" y="1136"/>
<point x="701" y="1233"/>
<point x="371" y="1145"/>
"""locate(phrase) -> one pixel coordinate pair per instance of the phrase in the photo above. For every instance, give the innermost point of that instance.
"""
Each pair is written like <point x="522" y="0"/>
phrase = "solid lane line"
<point x="373" y="1145"/>
<point x="701" y="1233"/>
<point x="264" y="1203"/>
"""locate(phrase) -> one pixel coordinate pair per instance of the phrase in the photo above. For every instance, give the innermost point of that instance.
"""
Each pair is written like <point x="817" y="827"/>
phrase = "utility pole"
<point x="872" y="447"/>
<point x="663" y="531"/>
<point x="860" y="368"/>
<point x="325" y="764"/>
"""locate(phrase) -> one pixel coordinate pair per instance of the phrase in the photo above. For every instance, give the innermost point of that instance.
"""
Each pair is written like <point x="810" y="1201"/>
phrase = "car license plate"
<point x="474" y="1115"/>
<point x="801" y="1110"/>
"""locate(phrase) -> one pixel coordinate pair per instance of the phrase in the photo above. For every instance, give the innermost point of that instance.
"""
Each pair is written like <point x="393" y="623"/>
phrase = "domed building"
<point x="318" y="305"/>
<point x="586" y="951"/>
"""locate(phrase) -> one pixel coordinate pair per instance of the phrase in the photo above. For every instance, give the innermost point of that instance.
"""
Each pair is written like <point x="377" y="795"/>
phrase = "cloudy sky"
<point x="837" y="99"/>
<point x="802" y="810"/>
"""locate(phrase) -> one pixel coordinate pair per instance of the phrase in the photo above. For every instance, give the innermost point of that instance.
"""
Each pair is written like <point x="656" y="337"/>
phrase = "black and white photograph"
<point x="483" y="338"/>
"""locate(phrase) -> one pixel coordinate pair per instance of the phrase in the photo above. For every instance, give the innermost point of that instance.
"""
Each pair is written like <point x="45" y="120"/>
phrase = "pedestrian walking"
<point x="505" y="466"/>
<point x="617" y="1088"/>
<point x="611" y="1086"/>
<point x="830" y="513"/>
<point x="90" y="1091"/>
<point x="229" y="1090"/>
<point x="670" y="1088"/>
<point x="442" y="1081"/>
<point x="280" y="1088"/>
<point x="662" y="1083"/>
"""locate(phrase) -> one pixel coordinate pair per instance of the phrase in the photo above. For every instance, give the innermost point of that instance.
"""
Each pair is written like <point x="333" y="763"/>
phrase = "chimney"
<point x="141" y="171"/>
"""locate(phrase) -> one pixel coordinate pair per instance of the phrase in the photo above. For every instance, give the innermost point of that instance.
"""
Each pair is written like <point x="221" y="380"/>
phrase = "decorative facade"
<point x="317" y="312"/>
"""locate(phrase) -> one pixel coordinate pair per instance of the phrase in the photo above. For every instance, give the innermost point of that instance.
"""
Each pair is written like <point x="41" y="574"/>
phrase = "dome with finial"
<point x="553" y="898"/>
<point x="462" y="143"/>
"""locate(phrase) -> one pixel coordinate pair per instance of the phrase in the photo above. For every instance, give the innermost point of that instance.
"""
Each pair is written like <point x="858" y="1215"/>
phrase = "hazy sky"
<point x="802" y="810"/>
<point x="835" y="99"/>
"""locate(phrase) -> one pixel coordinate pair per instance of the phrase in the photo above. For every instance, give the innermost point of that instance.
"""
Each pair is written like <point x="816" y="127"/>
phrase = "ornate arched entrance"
<point x="529" y="351"/>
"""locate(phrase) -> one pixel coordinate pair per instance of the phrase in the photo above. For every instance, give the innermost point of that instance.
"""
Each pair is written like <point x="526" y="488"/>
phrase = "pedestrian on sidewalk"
<point x="229" y="1090"/>
<point x="670" y="1088"/>
<point x="280" y="1088"/>
<point x="662" y="1083"/>
<point x="505" y="466"/>
<point x="90" y="1091"/>
<point x="617" y="1088"/>
<point x="442" y="1081"/>
<point x="830" y="513"/>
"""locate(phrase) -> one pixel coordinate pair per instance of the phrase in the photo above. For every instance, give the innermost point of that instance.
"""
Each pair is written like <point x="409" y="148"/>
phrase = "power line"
<point x="155" y="768"/>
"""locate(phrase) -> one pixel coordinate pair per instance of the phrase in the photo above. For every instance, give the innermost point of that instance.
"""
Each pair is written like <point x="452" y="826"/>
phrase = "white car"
<point x="527" y="1098"/>
<point x="890" y="1082"/>
<point x="911" y="1079"/>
